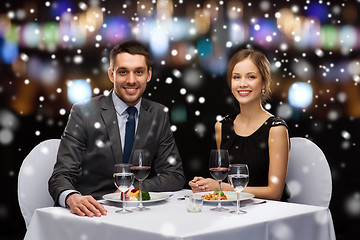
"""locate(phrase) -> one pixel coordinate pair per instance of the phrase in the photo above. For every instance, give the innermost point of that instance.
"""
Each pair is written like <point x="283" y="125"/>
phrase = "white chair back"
<point x="308" y="177"/>
<point x="34" y="174"/>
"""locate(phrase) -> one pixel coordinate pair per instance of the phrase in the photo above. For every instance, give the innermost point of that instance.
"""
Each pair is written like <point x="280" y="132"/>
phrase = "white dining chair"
<point x="34" y="174"/>
<point x="308" y="177"/>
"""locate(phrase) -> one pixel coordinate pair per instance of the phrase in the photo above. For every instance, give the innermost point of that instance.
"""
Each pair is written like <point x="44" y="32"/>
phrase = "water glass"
<point x="194" y="203"/>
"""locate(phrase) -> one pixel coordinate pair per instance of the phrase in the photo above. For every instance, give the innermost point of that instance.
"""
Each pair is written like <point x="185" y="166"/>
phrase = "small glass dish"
<point x="194" y="203"/>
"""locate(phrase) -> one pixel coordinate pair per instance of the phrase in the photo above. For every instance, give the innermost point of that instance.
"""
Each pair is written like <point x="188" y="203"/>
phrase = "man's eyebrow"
<point x="125" y="68"/>
<point x="120" y="68"/>
<point x="140" y="68"/>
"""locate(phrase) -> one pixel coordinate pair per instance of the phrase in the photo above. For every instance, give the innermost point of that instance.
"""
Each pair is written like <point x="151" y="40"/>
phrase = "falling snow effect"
<point x="48" y="46"/>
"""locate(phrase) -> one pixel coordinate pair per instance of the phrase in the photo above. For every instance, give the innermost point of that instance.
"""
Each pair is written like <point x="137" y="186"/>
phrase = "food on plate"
<point x="145" y="195"/>
<point x="215" y="195"/>
<point x="134" y="195"/>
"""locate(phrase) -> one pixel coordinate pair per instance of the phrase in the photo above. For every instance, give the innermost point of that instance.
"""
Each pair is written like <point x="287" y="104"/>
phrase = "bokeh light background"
<point x="54" y="53"/>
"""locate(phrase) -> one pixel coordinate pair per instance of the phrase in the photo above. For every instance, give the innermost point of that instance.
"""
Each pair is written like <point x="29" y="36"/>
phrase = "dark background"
<point x="30" y="105"/>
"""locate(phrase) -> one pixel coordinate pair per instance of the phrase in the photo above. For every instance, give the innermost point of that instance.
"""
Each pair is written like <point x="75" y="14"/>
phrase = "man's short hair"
<point x="132" y="47"/>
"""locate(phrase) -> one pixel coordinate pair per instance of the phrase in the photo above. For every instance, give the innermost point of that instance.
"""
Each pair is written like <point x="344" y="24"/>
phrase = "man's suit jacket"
<point x="91" y="145"/>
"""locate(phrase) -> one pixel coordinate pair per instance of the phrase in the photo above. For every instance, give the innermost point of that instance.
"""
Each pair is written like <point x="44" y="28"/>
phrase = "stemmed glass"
<point x="123" y="179"/>
<point x="238" y="179"/>
<point x="219" y="169"/>
<point x="141" y="166"/>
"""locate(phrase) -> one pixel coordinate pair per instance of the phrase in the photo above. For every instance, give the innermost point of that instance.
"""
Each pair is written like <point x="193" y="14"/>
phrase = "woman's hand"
<point x="200" y="184"/>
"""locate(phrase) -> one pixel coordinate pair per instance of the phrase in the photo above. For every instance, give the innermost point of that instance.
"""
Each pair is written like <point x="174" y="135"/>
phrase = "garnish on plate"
<point x="134" y="195"/>
<point x="215" y="195"/>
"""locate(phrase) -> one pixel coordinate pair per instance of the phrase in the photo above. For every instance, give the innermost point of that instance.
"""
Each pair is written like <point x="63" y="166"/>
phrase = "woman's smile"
<point x="244" y="93"/>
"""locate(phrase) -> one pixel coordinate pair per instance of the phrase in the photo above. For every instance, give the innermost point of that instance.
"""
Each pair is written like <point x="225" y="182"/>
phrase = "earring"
<point x="263" y="91"/>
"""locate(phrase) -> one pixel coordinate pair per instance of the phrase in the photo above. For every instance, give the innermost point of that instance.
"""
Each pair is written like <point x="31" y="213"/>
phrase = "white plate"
<point x="155" y="197"/>
<point x="231" y="196"/>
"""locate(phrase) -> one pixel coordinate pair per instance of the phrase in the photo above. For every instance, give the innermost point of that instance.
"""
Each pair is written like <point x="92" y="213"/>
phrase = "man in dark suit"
<point x="93" y="140"/>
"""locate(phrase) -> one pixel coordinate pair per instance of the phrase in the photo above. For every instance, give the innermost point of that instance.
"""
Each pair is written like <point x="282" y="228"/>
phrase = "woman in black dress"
<point x="253" y="136"/>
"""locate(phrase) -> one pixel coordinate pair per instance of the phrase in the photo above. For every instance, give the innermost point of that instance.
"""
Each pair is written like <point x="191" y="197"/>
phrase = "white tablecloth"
<point x="170" y="220"/>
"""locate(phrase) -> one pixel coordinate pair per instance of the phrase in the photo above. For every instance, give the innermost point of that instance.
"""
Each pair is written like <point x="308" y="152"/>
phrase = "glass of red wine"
<point x="141" y="166"/>
<point x="219" y="169"/>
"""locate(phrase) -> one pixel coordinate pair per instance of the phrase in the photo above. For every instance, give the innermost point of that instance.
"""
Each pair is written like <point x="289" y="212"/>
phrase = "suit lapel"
<point x="144" y="123"/>
<point x="109" y="115"/>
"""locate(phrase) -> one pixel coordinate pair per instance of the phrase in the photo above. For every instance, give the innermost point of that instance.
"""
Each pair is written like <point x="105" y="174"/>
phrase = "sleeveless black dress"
<point x="252" y="150"/>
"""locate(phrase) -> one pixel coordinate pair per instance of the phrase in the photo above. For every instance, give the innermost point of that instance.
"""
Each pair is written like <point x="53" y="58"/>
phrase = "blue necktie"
<point x="129" y="133"/>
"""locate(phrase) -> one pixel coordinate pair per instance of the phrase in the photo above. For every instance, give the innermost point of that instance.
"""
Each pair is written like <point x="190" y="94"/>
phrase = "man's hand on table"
<point x="85" y="205"/>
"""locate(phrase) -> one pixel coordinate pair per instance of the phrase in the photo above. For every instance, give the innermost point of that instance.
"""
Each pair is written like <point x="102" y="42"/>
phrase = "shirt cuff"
<point x="64" y="195"/>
